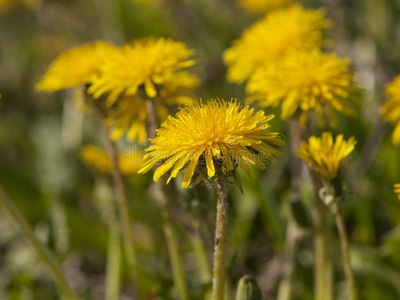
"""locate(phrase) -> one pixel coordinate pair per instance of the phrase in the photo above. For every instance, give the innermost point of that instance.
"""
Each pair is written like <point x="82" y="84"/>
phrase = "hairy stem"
<point x="218" y="287"/>
<point x="346" y="255"/>
<point x="43" y="252"/>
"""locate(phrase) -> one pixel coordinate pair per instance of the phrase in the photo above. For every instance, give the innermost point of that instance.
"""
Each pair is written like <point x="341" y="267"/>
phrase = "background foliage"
<point x="41" y="136"/>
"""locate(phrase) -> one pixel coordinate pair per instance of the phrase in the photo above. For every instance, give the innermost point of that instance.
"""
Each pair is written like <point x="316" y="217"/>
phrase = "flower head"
<point x="271" y="38"/>
<point x="326" y="156"/>
<point x="148" y="63"/>
<point x="390" y="111"/>
<point x="263" y="5"/>
<point x="128" y="162"/>
<point x="308" y="81"/>
<point x="76" y="66"/>
<point x="397" y="189"/>
<point x="212" y="136"/>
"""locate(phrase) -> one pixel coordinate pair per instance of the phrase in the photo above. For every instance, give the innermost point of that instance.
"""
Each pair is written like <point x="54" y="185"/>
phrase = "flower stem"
<point x="166" y="200"/>
<point x="122" y="197"/>
<point x="218" y="288"/>
<point x="346" y="255"/>
<point x="173" y="250"/>
<point x="113" y="262"/>
<point x="322" y="262"/>
<point x="44" y="253"/>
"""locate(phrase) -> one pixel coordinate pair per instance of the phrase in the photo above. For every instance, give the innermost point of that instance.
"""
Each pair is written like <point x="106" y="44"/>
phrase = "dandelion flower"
<point x="272" y="37"/>
<point x="260" y="6"/>
<point x="148" y="63"/>
<point x="390" y="111"/>
<point x="397" y="189"/>
<point x="76" y="66"/>
<point x="216" y="134"/>
<point x="326" y="156"/>
<point x="308" y="81"/>
<point x="128" y="162"/>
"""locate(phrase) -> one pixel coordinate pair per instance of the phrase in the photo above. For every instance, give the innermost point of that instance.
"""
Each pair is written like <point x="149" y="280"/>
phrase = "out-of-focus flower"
<point x="325" y="156"/>
<point x="397" y="189"/>
<point x="260" y="6"/>
<point x="148" y="62"/>
<point x="390" y="111"/>
<point x="76" y="66"/>
<point x="128" y="161"/>
<point x="130" y="113"/>
<point x="130" y="117"/>
<point x="272" y="37"/>
<point x="308" y="81"/>
<point x="216" y="134"/>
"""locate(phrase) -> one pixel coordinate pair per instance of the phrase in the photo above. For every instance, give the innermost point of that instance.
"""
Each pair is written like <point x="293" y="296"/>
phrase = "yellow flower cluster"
<point x="390" y="111"/>
<point x="271" y="38"/>
<point x="148" y="68"/>
<point x="397" y="189"/>
<point x="149" y="62"/>
<point x="309" y="81"/>
<point x="217" y="133"/>
<point x="77" y="66"/>
<point x="260" y="6"/>
<point x="326" y="156"/>
<point x="96" y="157"/>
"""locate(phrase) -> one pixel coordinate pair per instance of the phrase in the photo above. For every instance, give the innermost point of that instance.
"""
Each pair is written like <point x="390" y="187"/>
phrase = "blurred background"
<point x="41" y="137"/>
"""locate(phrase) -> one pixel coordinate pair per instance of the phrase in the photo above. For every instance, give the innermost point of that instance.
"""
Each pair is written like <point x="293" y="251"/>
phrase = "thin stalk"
<point x="122" y="197"/>
<point x="43" y="252"/>
<point x="323" y="281"/>
<point x="218" y="287"/>
<point x="201" y="255"/>
<point x="113" y="262"/>
<point x="292" y="240"/>
<point x="169" y="230"/>
<point x="344" y="245"/>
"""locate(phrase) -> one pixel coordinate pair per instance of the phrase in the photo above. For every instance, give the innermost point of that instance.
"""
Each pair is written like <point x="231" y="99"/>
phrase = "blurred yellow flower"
<point x="397" y="189"/>
<point x="217" y="133"/>
<point x="308" y="81"/>
<point x="76" y="66"/>
<point x="325" y="156"/>
<point x="390" y="111"/>
<point x="129" y="115"/>
<point x="128" y="162"/>
<point x="263" y="5"/>
<point x="272" y="37"/>
<point x="148" y="62"/>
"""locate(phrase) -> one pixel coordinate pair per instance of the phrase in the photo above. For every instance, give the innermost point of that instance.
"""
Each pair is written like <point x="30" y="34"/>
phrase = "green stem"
<point x="346" y="255"/>
<point x="286" y="286"/>
<point x="122" y="197"/>
<point x="44" y="253"/>
<point x="322" y="262"/>
<point x="218" y="288"/>
<point x="174" y="255"/>
<point x="166" y="201"/>
<point x="113" y="262"/>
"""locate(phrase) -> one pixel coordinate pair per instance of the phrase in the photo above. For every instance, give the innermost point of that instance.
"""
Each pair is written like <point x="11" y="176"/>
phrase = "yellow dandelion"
<point x="148" y="63"/>
<point x="128" y="161"/>
<point x="308" y="81"/>
<point x="397" y="189"/>
<point x="325" y="156"/>
<point x="216" y="134"/>
<point x="272" y="37"/>
<point x="130" y="117"/>
<point x="390" y="111"/>
<point x="76" y="66"/>
<point x="260" y="6"/>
